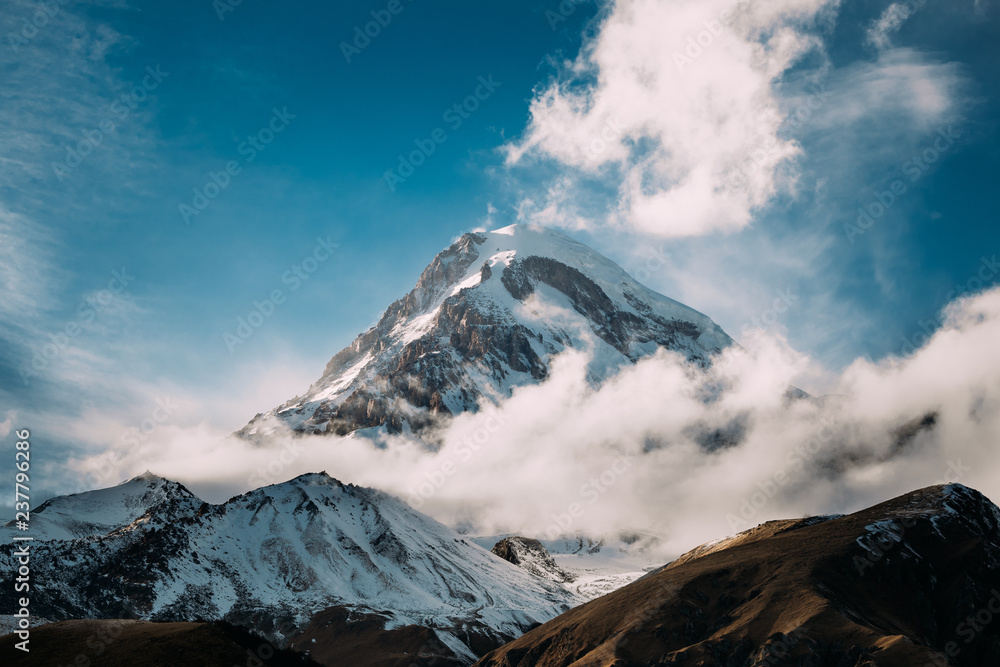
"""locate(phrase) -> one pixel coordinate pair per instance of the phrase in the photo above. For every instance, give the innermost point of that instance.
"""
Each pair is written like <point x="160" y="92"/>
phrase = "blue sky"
<point x="887" y="92"/>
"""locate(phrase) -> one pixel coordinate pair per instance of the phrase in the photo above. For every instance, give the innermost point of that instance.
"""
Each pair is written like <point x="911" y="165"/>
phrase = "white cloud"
<point x="59" y="83"/>
<point x="7" y="424"/>
<point x="676" y="101"/>
<point x="902" y="92"/>
<point x="26" y="267"/>
<point x="631" y="454"/>
<point x="889" y="23"/>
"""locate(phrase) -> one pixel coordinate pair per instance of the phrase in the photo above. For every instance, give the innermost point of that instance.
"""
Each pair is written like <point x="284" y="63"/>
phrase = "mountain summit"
<point x="95" y="513"/>
<point x="487" y="315"/>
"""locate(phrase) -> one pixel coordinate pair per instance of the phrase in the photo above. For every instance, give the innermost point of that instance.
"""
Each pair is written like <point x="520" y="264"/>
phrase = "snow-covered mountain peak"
<point x="147" y="477"/>
<point x="321" y="478"/>
<point x="98" y="512"/>
<point x="291" y="550"/>
<point x="308" y="486"/>
<point x="488" y="314"/>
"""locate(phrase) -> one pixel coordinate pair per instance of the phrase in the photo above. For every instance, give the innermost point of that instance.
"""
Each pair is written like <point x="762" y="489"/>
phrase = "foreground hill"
<point x="911" y="582"/>
<point x="133" y="643"/>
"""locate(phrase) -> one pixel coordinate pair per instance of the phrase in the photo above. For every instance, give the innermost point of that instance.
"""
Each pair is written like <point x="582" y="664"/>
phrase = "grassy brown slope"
<point x="798" y="593"/>
<point x="113" y="643"/>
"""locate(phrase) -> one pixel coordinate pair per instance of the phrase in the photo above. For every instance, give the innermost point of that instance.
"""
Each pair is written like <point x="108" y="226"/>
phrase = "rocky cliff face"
<point x="911" y="582"/>
<point x="487" y="315"/>
<point x="532" y="557"/>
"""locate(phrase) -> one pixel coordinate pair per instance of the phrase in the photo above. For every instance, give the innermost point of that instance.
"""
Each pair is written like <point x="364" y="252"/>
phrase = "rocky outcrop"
<point x="532" y="557"/>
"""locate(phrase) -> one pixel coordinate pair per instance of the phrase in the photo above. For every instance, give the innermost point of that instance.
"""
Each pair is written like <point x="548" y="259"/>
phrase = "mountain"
<point x="913" y="581"/>
<point x="283" y="554"/>
<point x="588" y="567"/>
<point x="532" y="557"/>
<point x="487" y="315"/>
<point x="96" y="513"/>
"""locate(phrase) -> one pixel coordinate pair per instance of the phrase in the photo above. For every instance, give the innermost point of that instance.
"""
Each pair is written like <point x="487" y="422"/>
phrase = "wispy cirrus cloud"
<point x="60" y="84"/>
<point x="66" y="135"/>
<point x="882" y="29"/>
<point x="26" y="267"/>
<point x="903" y="91"/>
<point x="839" y="453"/>
<point x="61" y="75"/>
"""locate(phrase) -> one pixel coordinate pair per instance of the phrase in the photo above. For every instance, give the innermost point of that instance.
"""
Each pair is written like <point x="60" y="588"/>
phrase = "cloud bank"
<point x="663" y="448"/>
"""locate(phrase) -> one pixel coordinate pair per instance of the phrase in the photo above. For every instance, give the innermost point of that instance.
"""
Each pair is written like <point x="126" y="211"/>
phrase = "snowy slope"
<point x="488" y="314"/>
<point x="98" y="512"/>
<point x="289" y="551"/>
<point x="595" y="567"/>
